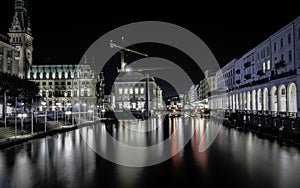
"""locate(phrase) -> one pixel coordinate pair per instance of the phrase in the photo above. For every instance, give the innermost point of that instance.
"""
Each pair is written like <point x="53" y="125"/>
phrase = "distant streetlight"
<point x="58" y="105"/>
<point x="22" y="116"/>
<point x="67" y="113"/>
<point x="78" y="104"/>
<point x="93" y="112"/>
<point x="90" y="112"/>
<point x="84" y="110"/>
<point x="45" y="106"/>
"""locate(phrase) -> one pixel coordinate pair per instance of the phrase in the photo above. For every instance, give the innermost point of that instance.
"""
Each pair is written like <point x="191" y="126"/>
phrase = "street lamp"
<point x="67" y="113"/>
<point x="57" y="108"/>
<point x="90" y="112"/>
<point x="45" y="106"/>
<point x="93" y="112"/>
<point x="84" y="109"/>
<point x="77" y="104"/>
<point x="22" y="116"/>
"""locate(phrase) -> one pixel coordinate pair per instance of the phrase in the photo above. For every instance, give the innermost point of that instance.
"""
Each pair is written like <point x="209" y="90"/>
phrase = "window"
<point x="9" y="66"/>
<point x="9" y="53"/>
<point x="268" y="65"/>
<point x="282" y="57"/>
<point x="281" y="42"/>
<point x="75" y="93"/>
<point x="63" y="83"/>
<point x="125" y="91"/>
<point x="268" y="51"/>
<point x="136" y="90"/>
<point x="69" y="83"/>
<point x="50" y="83"/>
<point x="131" y="91"/>
<point x="56" y="83"/>
<point x="290" y="55"/>
<point x="50" y="94"/>
<point x="44" y="83"/>
<point x="264" y="67"/>
<point x="69" y="93"/>
<point x="289" y="38"/>
<point x="75" y="83"/>
<point x="120" y="91"/>
<point x="142" y="90"/>
<point x="85" y="93"/>
<point x="274" y="46"/>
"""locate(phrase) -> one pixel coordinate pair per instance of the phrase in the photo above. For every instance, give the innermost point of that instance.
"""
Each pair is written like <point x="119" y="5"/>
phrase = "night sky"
<point x="63" y="29"/>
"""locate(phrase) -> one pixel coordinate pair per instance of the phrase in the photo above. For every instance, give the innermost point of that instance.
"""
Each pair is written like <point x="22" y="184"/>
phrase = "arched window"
<point x="254" y="100"/>
<point x="292" y="98"/>
<point x="248" y="100"/>
<point x="282" y="98"/>
<point x="259" y="100"/>
<point x="265" y="100"/>
<point x="273" y="99"/>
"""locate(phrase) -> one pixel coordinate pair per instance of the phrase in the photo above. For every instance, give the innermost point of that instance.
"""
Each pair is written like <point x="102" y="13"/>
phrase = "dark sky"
<point x="64" y="29"/>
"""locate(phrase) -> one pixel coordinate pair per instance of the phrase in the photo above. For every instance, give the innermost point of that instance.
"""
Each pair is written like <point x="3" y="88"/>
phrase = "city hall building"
<point x="58" y="84"/>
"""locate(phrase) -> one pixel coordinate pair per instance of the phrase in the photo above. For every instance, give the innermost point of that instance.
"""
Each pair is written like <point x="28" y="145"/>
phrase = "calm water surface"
<point x="234" y="159"/>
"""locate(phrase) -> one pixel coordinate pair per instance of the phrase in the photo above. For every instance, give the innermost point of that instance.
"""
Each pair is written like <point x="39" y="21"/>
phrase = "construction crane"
<point x="122" y="49"/>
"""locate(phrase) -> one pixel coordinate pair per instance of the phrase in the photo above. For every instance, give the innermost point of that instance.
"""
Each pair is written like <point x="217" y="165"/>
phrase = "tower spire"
<point x="21" y="20"/>
<point x="21" y="37"/>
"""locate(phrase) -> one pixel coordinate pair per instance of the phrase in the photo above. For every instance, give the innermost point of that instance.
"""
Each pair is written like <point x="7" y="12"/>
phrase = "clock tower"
<point x="21" y="37"/>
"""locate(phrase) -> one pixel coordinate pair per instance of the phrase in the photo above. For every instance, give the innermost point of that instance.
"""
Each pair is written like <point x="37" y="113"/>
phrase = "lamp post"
<point x="78" y="104"/>
<point x="16" y="121"/>
<point x="90" y="112"/>
<point x="31" y="121"/>
<point x="22" y="116"/>
<point x="4" y="109"/>
<point x="84" y="110"/>
<point x="93" y="112"/>
<point x="67" y="113"/>
<point x="72" y="106"/>
<point x="57" y="108"/>
<point x="45" y="106"/>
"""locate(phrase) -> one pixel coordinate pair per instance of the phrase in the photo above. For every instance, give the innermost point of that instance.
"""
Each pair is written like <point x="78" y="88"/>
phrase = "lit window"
<point x="136" y="90"/>
<point x="268" y="65"/>
<point x="142" y="90"/>
<point x="264" y="67"/>
<point x="125" y="91"/>
<point x="130" y="91"/>
<point x="120" y="91"/>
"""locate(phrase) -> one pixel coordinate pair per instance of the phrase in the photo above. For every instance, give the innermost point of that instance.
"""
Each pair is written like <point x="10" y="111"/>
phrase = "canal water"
<point x="214" y="156"/>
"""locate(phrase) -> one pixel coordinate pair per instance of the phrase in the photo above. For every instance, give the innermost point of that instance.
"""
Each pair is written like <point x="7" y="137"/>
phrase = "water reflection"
<point x="67" y="160"/>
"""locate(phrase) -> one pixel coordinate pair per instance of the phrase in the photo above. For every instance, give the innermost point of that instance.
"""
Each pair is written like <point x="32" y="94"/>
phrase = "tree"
<point x="14" y="86"/>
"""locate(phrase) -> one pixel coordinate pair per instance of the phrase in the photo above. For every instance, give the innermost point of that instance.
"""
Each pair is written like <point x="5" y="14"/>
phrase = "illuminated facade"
<point x="266" y="82"/>
<point x="130" y="92"/>
<point x="64" y="83"/>
<point x="16" y="50"/>
<point x="8" y="62"/>
<point x="21" y="38"/>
